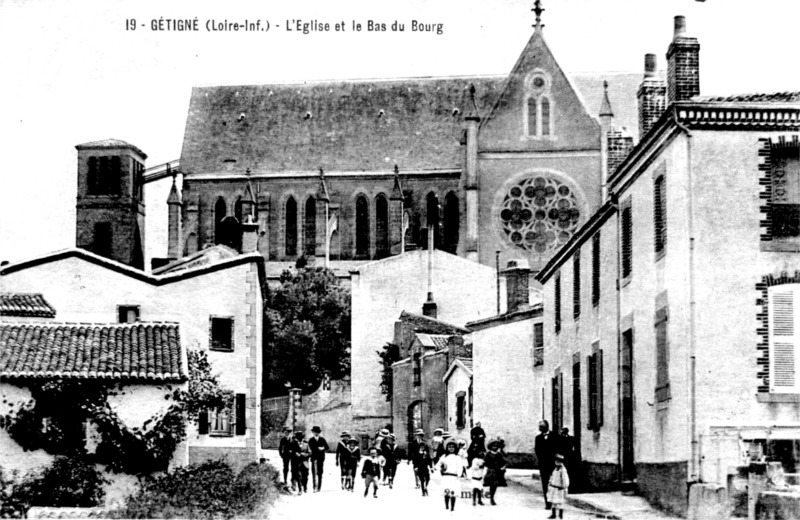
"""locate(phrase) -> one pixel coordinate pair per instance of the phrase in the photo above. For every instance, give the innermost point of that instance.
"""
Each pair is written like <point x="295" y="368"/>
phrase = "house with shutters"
<point x="670" y="316"/>
<point x="134" y="329"/>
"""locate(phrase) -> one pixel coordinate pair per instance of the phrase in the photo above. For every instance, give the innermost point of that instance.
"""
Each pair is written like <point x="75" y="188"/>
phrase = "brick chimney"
<point x="620" y="144"/>
<point x="683" y="64"/>
<point x="517" y="276"/>
<point x="652" y="98"/>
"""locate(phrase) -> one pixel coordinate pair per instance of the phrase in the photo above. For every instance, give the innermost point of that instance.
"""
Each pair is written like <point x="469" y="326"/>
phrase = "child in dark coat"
<point x="371" y="471"/>
<point x="350" y="459"/>
<point x="424" y="465"/>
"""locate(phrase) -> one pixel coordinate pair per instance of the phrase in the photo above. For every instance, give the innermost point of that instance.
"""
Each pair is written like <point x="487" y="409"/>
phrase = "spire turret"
<point x="322" y="191"/>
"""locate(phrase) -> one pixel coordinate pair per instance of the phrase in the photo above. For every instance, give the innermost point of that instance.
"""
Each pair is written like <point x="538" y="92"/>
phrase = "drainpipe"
<point x="615" y="202"/>
<point x="694" y="465"/>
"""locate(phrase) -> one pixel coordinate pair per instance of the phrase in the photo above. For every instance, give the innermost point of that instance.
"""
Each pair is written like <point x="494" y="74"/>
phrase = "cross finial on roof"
<point x="321" y="173"/>
<point x="538" y="9"/>
<point x="396" y="170"/>
<point x="247" y="171"/>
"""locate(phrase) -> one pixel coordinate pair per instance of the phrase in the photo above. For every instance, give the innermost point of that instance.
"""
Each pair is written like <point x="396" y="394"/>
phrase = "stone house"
<point x="673" y="379"/>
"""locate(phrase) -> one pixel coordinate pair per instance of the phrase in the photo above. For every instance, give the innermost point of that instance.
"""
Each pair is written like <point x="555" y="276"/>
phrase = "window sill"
<point x="221" y="434"/>
<point x="785" y="247"/>
<point x="778" y="398"/>
<point x="219" y="349"/>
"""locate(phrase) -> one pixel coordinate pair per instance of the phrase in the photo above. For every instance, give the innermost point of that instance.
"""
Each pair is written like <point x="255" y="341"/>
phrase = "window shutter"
<point x="627" y="238"/>
<point x="599" y="383"/>
<point x="660" y="213"/>
<point x="557" y="303"/>
<point x="202" y="427"/>
<point x="783" y="317"/>
<point x="241" y="426"/>
<point x="592" y="387"/>
<point x="596" y="269"/>
<point x="576" y="284"/>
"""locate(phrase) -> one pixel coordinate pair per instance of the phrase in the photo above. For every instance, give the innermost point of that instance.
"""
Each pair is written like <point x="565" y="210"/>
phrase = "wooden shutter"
<point x="596" y="269"/>
<point x="660" y="213"/>
<point x="662" y="358"/>
<point x="783" y="319"/>
<point x="202" y="426"/>
<point x="241" y="426"/>
<point x="627" y="239"/>
<point x="599" y="383"/>
<point x="591" y="370"/>
<point x="576" y="284"/>
<point x="557" y="303"/>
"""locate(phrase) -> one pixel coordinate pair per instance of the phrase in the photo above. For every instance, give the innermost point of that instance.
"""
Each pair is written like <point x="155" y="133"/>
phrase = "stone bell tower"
<point x="110" y="205"/>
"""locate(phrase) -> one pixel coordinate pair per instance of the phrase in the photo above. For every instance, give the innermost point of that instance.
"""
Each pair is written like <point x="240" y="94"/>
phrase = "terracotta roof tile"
<point x="149" y="351"/>
<point x="25" y="306"/>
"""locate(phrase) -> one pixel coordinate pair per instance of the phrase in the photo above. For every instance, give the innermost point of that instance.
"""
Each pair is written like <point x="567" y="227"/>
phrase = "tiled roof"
<point x="427" y="325"/>
<point x="110" y="143"/>
<point x="433" y="340"/>
<point x="774" y="97"/>
<point x="356" y="125"/>
<point x="150" y="351"/>
<point x="204" y="257"/>
<point x="25" y="306"/>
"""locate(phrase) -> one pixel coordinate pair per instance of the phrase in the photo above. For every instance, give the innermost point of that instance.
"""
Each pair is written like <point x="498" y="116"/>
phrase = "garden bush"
<point x="207" y="490"/>
<point x="68" y="482"/>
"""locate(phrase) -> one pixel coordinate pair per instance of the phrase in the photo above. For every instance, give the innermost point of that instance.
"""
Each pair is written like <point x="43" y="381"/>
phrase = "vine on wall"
<point x="56" y="417"/>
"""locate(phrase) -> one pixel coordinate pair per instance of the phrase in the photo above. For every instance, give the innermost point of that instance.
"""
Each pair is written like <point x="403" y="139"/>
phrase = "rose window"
<point x="539" y="214"/>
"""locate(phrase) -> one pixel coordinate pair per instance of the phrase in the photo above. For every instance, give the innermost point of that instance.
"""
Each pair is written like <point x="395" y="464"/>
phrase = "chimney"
<point x="652" y="97"/>
<point x="517" y="285"/>
<point x="249" y="235"/>
<point x="683" y="64"/>
<point x="620" y="144"/>
<point x="429" y="308"/>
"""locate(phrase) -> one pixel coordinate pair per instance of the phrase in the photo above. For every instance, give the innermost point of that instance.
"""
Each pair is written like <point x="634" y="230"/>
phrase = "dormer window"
<point x="538" y="108"/>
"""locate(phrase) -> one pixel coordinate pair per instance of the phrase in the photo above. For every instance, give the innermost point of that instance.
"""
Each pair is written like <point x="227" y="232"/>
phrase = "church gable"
<point x="538" y="108"/>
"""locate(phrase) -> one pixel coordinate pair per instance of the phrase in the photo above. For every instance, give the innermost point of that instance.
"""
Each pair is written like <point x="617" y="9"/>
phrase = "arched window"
<point x="310" y="228"/>
<point x="532" y="116"/>
<point x="545" y="115"/>
<point x="433" y="219"/>
<point x="220" y="212"/>
<point x="381" y="226"/>
<point x="451" y="223"/>
<point x="291" y="227"/>
<point x="362" y="227"/>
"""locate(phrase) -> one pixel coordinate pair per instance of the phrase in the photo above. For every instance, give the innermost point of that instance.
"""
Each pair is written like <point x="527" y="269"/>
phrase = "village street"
<point x="404" y="502"/>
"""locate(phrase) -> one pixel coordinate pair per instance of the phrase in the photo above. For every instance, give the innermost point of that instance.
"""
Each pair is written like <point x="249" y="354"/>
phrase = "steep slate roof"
<point x="148" y="351"/>
<point x="428" y="325"/>
<point x="774" y="97"/>
<point x="25" y="306"/>
<point x="338" y="125"/>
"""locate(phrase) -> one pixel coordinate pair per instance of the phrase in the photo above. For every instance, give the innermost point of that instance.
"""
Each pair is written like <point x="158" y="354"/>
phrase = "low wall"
<point x="778" y="505"/>
<point x="664" y="485"/>
<point x="236" y="457"/>
<point x="708" y="502"/>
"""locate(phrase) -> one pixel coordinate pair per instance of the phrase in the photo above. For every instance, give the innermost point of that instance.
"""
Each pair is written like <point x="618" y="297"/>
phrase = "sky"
<point x="72" y="72"/>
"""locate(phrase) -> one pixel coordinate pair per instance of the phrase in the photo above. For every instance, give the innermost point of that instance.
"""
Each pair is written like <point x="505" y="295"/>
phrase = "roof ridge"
<point x="323" y="81"/>
<point x="85" y="323"/>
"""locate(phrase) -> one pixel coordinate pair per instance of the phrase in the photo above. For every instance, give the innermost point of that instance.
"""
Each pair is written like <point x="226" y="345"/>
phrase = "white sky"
<point x="73" y="74"/>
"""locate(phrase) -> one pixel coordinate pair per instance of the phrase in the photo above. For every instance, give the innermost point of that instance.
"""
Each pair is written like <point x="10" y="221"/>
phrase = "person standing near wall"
<point x="545" y="447"/>
<point x="318" y="446"/>
<point x="341" y="454"/>
<point x="285" y="452"/>
<point x="495" y="465"/>
<point x="414" y="452"/>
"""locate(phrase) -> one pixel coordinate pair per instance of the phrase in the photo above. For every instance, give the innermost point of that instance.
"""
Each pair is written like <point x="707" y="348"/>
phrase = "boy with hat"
<point x="341" y="451"/>
<point x="302" y="454"/>
<point x="350" y="458"/>
<point x="451" y="466"/>
<point x="318" y="446"/>
<point x="435" y="443"/>
<point x="285" y="452"/>
<point x="371" y="471"/>
<point x="390" y="456"/>
<point x="422" y="470"/>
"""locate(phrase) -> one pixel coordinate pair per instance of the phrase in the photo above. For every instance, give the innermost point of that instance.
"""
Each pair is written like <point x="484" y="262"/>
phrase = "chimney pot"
<point x="517" y="284"/>
<point x="680" y="27"/>
<point x="650" y="65"/>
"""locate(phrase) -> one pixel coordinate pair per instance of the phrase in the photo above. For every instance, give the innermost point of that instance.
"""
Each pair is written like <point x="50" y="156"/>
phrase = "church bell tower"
<point x="110" y="205"/>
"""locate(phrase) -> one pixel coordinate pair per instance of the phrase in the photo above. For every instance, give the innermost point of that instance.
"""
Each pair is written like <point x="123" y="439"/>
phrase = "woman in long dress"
<point x="557" y="488"/>
<point x="495" y="465"/>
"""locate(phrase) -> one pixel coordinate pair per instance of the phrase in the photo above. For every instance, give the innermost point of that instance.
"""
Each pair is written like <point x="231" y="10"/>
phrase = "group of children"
<point x="381" y="461"/>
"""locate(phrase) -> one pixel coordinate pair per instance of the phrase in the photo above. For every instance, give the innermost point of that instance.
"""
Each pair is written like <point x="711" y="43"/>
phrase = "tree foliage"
<point x="388" y="355"/>
<point x="308" y="330"/>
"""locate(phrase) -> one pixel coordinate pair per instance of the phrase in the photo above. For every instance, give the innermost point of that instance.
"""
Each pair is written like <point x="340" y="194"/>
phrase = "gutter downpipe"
<point x="612" y="196"/>
<point x="694" y="465"/>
